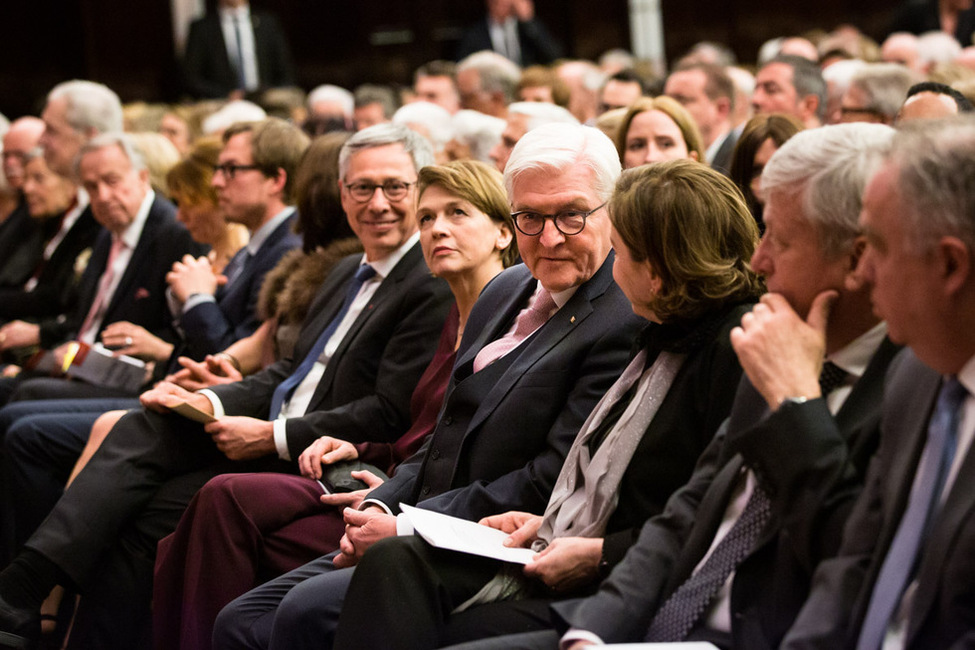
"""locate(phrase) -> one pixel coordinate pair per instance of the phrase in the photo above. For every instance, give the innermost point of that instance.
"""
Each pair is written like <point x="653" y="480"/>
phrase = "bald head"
<point x="22" y="138"/>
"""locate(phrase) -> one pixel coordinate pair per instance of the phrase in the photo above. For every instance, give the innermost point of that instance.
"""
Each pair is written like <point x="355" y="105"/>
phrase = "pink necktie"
<point x="94" y="318"/>
<point x="529" y="320"/>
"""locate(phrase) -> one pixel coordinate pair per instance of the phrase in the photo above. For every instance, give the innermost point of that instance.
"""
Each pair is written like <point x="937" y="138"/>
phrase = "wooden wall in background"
<point x="128" y="44"/>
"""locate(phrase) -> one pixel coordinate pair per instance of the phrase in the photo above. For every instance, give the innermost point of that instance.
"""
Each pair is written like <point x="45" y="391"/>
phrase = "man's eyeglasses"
<point x="230" y="169"/>
<point x="392" y="190"/>
<point x="569" y="222"/>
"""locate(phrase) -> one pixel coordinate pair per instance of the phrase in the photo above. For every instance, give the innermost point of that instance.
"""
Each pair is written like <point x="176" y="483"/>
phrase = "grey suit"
<point x="942" y="613"/>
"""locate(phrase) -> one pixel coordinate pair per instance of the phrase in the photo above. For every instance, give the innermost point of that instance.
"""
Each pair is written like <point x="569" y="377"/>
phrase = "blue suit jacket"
<point x="211" y="326"/>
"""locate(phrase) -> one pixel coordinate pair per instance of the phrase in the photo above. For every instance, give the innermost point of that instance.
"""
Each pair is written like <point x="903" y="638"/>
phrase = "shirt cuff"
<point x="175" y="308"/>
<point x="574" y="635"/>
<point x="374" y="502"/>
<point x="281" y="439"/>
<point x="197" y="299"/>
<point x="404" y="527"/>
<point x="215" y="402"/>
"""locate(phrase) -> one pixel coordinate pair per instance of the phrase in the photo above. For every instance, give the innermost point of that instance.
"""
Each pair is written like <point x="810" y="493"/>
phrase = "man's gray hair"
<point x="90" y="106"/>
<point x="539" y="113"/>
<point x="480" y="132"/>
<point x="332" y="93"/>
<point x="554" y="148"/>
<point x="115" y="139"/>
<point x="885" y="85"/>
<point x="497" y="74"/>
<point x="829" y="168"/>
<point x="935" y="163"/>
<point x="433" y="118"/>
<point x="384" y="134"/>
<point x="807" y="79"/>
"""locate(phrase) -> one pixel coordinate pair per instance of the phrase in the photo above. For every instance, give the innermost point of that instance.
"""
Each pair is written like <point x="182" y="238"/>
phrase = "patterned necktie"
<point x="831" y="377"/>
<point x="902" y="557"/>
<point x="285" y="389"/>
<point x="100" y="304"/>
<point x="678" y="616"/>
<point x="529" y="320"/>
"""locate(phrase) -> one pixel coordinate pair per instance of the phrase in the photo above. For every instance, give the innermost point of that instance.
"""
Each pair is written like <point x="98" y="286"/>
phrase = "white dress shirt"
<point x="242" y="16"/>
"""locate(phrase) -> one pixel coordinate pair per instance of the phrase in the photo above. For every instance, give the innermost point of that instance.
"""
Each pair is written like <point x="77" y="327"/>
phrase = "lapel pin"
<point x="572" y="320"/>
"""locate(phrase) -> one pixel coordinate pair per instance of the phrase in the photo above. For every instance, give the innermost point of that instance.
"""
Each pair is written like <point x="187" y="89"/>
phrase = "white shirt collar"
<point x="385" y="265"/>
<point x="259" y="236"/>
<point x="855" y="356"/>
<point x="134" y="231"/>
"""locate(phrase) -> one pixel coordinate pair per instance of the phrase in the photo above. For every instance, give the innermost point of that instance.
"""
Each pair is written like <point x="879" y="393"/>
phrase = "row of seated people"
<point x="564" y="337"/>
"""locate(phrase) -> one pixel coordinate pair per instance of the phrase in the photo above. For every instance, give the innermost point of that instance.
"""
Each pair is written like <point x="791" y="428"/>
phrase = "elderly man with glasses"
<point x="544" y="342"/>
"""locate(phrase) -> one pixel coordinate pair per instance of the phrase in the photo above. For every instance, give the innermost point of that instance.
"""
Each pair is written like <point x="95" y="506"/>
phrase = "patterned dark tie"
<point x="678" y="616"/>
<point x="831" y="377"/>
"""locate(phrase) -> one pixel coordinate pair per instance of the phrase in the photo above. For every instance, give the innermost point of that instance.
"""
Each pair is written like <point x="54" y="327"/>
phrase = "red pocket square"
<point x="141" y="293"/>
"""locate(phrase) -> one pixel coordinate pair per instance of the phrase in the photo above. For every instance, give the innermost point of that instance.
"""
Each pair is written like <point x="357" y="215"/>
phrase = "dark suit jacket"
<point x="504" y="451"/>
<point x="537" y="45"/>
<point x="57" y="284"/>
<point x="21" y="245"/>
<point x="364" y="394"/>
<point x="212" y="326"/>
<point x="725" y="153"/>
<point x="801" y="455"/>
<point x="207" y="68"/>
<point x="943" y="610"/>
<point x="140" y="297"/>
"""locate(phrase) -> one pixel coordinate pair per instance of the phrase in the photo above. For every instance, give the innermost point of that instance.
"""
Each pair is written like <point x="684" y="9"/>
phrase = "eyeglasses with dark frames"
<point x="392" y="190"/>
<point x="567" y="222"/>
<point x="230" y="169"/>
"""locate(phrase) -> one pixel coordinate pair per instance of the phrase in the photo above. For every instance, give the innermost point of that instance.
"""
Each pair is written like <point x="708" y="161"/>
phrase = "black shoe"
<point x="19" y="627"/>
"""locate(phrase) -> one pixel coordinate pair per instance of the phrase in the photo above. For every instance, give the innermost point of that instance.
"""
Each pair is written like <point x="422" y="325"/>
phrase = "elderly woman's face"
<point x="653" y="137"/>
<point x="638" y="280"/>
<point x="45" y="192"/>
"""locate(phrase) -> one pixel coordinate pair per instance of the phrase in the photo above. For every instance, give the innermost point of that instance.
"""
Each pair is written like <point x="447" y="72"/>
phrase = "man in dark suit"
<point x="42" y="444"/>
<point x="17" y="229"/>
<point x="789" y="440"/>
<point x="708" y="94"/>
<point x="511" y="29"/>
<point x="126" y="277"/>
<point x="903" y="576"/>
<point x="236" y="51"/>
<point x="543" y="343"/>
<point x="370" y="333"/>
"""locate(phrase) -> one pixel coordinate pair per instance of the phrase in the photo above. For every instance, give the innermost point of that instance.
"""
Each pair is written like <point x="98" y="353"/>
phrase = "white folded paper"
<point x="444" y="531"/>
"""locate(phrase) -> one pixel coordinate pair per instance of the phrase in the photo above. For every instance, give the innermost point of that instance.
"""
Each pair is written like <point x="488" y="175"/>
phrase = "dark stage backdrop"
<point x="127" y="44"/>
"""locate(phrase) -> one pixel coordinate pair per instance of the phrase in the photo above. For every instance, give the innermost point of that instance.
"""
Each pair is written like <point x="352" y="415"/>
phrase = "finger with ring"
<point x="128" y="341"/>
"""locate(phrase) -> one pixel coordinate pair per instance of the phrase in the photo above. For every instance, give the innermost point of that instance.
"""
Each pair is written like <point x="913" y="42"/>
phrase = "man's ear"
<point x="956" y="263"/>
<point x="723" y="107"/>
<point x="809" y="106"/>
<point x="853" y="281"/>
<point x="279" y="180"/>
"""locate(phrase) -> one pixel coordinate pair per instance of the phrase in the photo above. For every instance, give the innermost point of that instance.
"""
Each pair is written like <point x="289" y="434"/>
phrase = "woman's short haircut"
<point x="478" y="184"/>
<point x="275" y="145"/>
<point x="672" y="109"/>
<point x="189" y="180"/>
<point x="693" y="227"/>
<point x="556" y="147"/>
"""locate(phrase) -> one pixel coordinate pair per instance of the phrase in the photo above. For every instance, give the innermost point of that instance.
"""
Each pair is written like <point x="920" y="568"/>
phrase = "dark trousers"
<point x="238" y="531"/>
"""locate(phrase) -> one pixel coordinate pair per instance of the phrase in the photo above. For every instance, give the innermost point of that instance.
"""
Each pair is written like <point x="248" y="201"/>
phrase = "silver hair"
<point x="432" y="118"/>
<point x="935" y="163"/>
<point x="556" y="147"/>
<point x="115" y="139"/>
<point x="239" y="110"/>
<point x="839" y="75"/>
<point x="539" y="113"/>
<point x="381" y="135"/>
<point x="497" y="74"/>
<point x="885" y="85"/>
<point x="829" y="168"/>
<point x="332" y="93"/>
<point x="936" y="47"/>
<point x="480" y="132"/>
<point x="90" y="106"/>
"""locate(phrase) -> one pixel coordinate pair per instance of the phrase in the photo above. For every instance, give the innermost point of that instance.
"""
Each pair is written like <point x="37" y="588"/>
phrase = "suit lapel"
<point x="569" y="317"/>
<point x="386" y="289"/>
<point x="133" y="269"/>
<point x="500" y="321"/>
